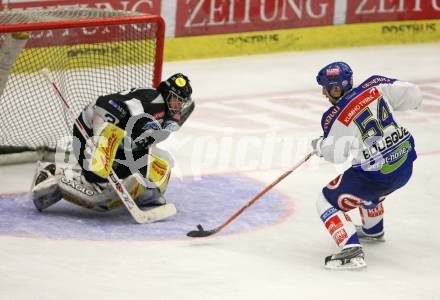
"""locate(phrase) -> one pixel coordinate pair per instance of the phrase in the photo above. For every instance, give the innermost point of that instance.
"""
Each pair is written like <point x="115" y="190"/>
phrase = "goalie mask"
<point x="176" y="91"/>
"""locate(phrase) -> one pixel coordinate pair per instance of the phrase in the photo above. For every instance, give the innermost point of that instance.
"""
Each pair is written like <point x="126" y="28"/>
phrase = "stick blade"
<point x="154" y="214"/>
<point x="200" y="232"/>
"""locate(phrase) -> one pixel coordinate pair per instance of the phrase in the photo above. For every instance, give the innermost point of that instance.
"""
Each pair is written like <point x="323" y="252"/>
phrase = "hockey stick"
<point x="204" y="233"/>
<point x="140" y="216"/>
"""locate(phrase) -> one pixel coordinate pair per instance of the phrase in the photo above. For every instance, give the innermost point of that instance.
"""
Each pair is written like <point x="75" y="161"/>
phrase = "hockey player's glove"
<point x="316" y="145"/>
<point x="149" y="138"/>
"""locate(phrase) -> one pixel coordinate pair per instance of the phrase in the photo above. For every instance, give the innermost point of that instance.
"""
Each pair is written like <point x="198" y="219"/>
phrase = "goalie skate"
<point x="349" y="258"/>
<point x="369" y="237"/>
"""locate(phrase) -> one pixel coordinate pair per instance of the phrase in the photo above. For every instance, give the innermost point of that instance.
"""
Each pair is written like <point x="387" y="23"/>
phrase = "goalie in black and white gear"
<point x="125" y="128"/>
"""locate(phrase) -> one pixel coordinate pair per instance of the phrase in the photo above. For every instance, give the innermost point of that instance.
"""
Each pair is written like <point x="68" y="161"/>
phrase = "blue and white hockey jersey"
<point x="362" y="125"/>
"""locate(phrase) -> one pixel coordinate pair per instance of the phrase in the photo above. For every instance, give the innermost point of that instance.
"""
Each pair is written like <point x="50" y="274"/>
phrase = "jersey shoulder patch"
<point x="374" y="81"/>
<point x="146" y="95"/>
<point x="112" y="105"/>
<point x="329" y="117"/>
<point x="352" y="107"/>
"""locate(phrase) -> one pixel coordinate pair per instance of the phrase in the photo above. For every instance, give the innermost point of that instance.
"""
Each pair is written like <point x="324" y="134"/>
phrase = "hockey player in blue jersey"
<point x="360" y="123"/>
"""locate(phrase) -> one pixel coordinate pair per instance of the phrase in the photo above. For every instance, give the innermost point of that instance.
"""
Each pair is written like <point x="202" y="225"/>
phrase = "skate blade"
<point x="354" y="264"/>
<point x="371" y="239"/>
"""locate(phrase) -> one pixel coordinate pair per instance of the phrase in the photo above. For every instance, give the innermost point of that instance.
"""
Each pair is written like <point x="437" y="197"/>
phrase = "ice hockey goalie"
<point x="125" y="128"/>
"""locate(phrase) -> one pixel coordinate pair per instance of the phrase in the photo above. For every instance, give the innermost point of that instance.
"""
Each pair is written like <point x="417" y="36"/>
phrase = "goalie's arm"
<point x="170" y="125"/>
<point x="111" y="110"/>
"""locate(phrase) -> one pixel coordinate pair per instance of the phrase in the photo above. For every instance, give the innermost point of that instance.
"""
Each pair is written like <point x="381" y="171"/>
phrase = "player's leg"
<point x="372" y="228"/>
<point x="348" y="191"/>
<point x="343" y="231"/>
<point x="159" y="173"/>
<point x="354" y="189"/>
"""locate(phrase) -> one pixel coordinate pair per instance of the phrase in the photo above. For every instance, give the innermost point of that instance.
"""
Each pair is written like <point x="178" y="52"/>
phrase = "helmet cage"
<point x="185" y="101"/>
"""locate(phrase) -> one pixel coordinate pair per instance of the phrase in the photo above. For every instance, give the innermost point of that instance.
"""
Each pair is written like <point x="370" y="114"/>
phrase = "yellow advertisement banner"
<point x="112" y="54"/>
<point x="338" y="36"/>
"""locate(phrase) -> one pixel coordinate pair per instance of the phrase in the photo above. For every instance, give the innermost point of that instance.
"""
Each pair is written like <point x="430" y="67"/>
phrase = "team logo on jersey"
<point x="180" y="82"/>
<point x="357" y="105"/>
<point x="330" y="117"/>
<point x="375" y="81"/>
<point x="334" y="184"/>
<point x="347" y="202"/>
<point x="118" y="107"/>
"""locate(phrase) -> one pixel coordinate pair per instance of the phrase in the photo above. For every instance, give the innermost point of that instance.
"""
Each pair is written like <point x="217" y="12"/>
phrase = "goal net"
<point x="89" y="52"/>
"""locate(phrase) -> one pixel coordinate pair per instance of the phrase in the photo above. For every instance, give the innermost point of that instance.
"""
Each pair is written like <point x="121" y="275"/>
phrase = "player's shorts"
<point x="354" y="189"/>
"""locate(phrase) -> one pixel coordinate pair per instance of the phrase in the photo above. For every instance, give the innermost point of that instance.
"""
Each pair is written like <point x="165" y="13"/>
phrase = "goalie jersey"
<point x="362" y="125"/>
<point x="136" y="111"/>
<point x="142" y="114"/>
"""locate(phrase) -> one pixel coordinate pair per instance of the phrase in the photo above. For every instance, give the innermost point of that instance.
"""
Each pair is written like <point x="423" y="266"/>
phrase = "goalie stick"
<point x="200" y="232"/>
<point x="140" y="216"/>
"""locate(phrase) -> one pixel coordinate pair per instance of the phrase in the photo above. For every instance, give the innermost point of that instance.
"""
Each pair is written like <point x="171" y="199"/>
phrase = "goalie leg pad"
<point x="80" y="192"/>
<point x="159" y="172"/>
<point x="96" y="196"/>
<point x="45" y="190"/>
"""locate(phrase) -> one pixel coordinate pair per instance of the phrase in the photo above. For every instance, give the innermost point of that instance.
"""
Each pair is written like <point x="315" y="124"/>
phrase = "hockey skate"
<point x="348" y="258"/>
<point x="369" y="237"/>
<point x="45" y="191"/>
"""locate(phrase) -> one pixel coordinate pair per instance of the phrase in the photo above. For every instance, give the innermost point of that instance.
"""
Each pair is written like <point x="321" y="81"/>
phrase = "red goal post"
<point x="90" y="52"/>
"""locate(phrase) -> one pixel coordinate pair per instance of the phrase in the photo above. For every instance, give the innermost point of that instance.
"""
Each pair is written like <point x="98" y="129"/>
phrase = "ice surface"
<point x="273" y="104"/>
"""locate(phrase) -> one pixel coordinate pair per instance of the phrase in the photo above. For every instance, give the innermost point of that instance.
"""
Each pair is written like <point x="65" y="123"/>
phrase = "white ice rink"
<point x="254" y="118"/>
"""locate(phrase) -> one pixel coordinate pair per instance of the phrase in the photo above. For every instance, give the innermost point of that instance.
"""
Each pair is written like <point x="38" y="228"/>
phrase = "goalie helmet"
<point x="336" y="74"/>
<point x="178" y="86"/>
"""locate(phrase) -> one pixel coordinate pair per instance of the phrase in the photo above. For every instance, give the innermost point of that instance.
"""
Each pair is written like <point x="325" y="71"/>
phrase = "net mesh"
<point x="86" y="62"/>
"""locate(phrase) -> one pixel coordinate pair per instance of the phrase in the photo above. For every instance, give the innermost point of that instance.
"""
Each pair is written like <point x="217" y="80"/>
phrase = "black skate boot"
<point x="348" y="258"/>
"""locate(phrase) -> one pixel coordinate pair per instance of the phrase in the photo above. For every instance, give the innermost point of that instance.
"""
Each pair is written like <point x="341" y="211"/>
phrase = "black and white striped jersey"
<point x="137" y="111"/>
